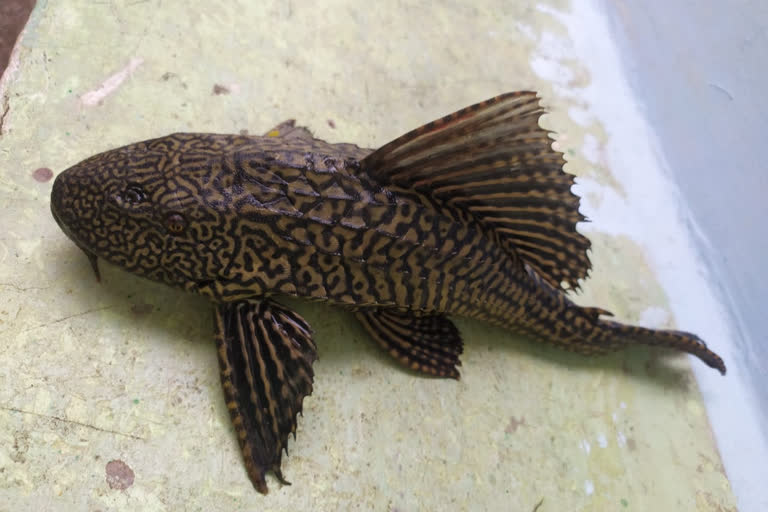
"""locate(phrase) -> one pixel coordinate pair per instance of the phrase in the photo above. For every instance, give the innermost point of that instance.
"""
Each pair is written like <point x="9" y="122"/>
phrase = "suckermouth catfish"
<point x="469" y="215"/>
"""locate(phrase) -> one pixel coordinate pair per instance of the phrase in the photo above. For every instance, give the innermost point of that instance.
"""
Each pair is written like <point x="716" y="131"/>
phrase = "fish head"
<point x="144" y="208"/>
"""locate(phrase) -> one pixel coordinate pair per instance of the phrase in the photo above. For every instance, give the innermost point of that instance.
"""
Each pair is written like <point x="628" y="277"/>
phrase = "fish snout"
<point x="58" y="193"/>
<point x="75" y="203"/>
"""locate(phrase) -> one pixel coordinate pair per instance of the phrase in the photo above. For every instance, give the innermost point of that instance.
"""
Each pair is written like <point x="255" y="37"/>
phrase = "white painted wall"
<point x="699" y="71"/>
<point x="681" y="90"/>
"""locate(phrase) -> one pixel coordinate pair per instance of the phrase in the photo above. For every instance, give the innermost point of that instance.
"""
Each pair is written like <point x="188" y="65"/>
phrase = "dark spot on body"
<point x="331" y="124"/>
<point x="119" y="475"/>
<point x="631" y="444"/>
<point x="243" y="132"/>
<point x="167" y="76"/>
<point x="219" y="89"/>
<point x="42" y="174"/>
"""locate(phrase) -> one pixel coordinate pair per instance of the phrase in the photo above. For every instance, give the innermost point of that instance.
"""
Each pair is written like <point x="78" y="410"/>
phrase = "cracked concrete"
<point x="72" y="422"/>
<point x="4" y="108"/>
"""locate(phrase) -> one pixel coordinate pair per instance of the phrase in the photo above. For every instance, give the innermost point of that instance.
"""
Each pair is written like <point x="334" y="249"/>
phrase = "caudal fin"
<point x="677" y="340"/>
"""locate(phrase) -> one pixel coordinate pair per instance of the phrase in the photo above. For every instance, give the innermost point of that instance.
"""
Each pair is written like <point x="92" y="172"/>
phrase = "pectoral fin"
<point x="265" y="354"/>
<point x="428" y="344"/>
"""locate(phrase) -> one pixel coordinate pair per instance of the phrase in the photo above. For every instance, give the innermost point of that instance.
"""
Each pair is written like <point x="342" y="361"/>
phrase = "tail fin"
<point x="678" y="340"/>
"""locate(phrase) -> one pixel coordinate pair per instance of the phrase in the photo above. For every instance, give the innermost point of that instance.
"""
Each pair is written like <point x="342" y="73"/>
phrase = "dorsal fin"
<point x="494" y="161"/>
<point x="288" y="129"/>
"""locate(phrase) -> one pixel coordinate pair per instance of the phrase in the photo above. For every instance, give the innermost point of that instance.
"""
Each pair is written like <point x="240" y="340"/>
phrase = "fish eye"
<point x="176" y="223"/>
<point x="133" y="194"/>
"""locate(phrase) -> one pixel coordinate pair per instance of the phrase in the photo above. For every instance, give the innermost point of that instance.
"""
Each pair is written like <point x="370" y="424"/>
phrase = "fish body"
<point x="470" y="215"/>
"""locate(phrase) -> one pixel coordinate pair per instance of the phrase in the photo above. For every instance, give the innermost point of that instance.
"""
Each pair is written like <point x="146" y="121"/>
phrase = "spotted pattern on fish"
<point x="470" y="215"/>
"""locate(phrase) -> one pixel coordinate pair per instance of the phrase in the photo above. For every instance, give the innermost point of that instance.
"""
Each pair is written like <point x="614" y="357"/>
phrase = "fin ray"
<point x="428" y="344"/>
<point x="495" y="162"/>
<point x="265" y="354"/>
